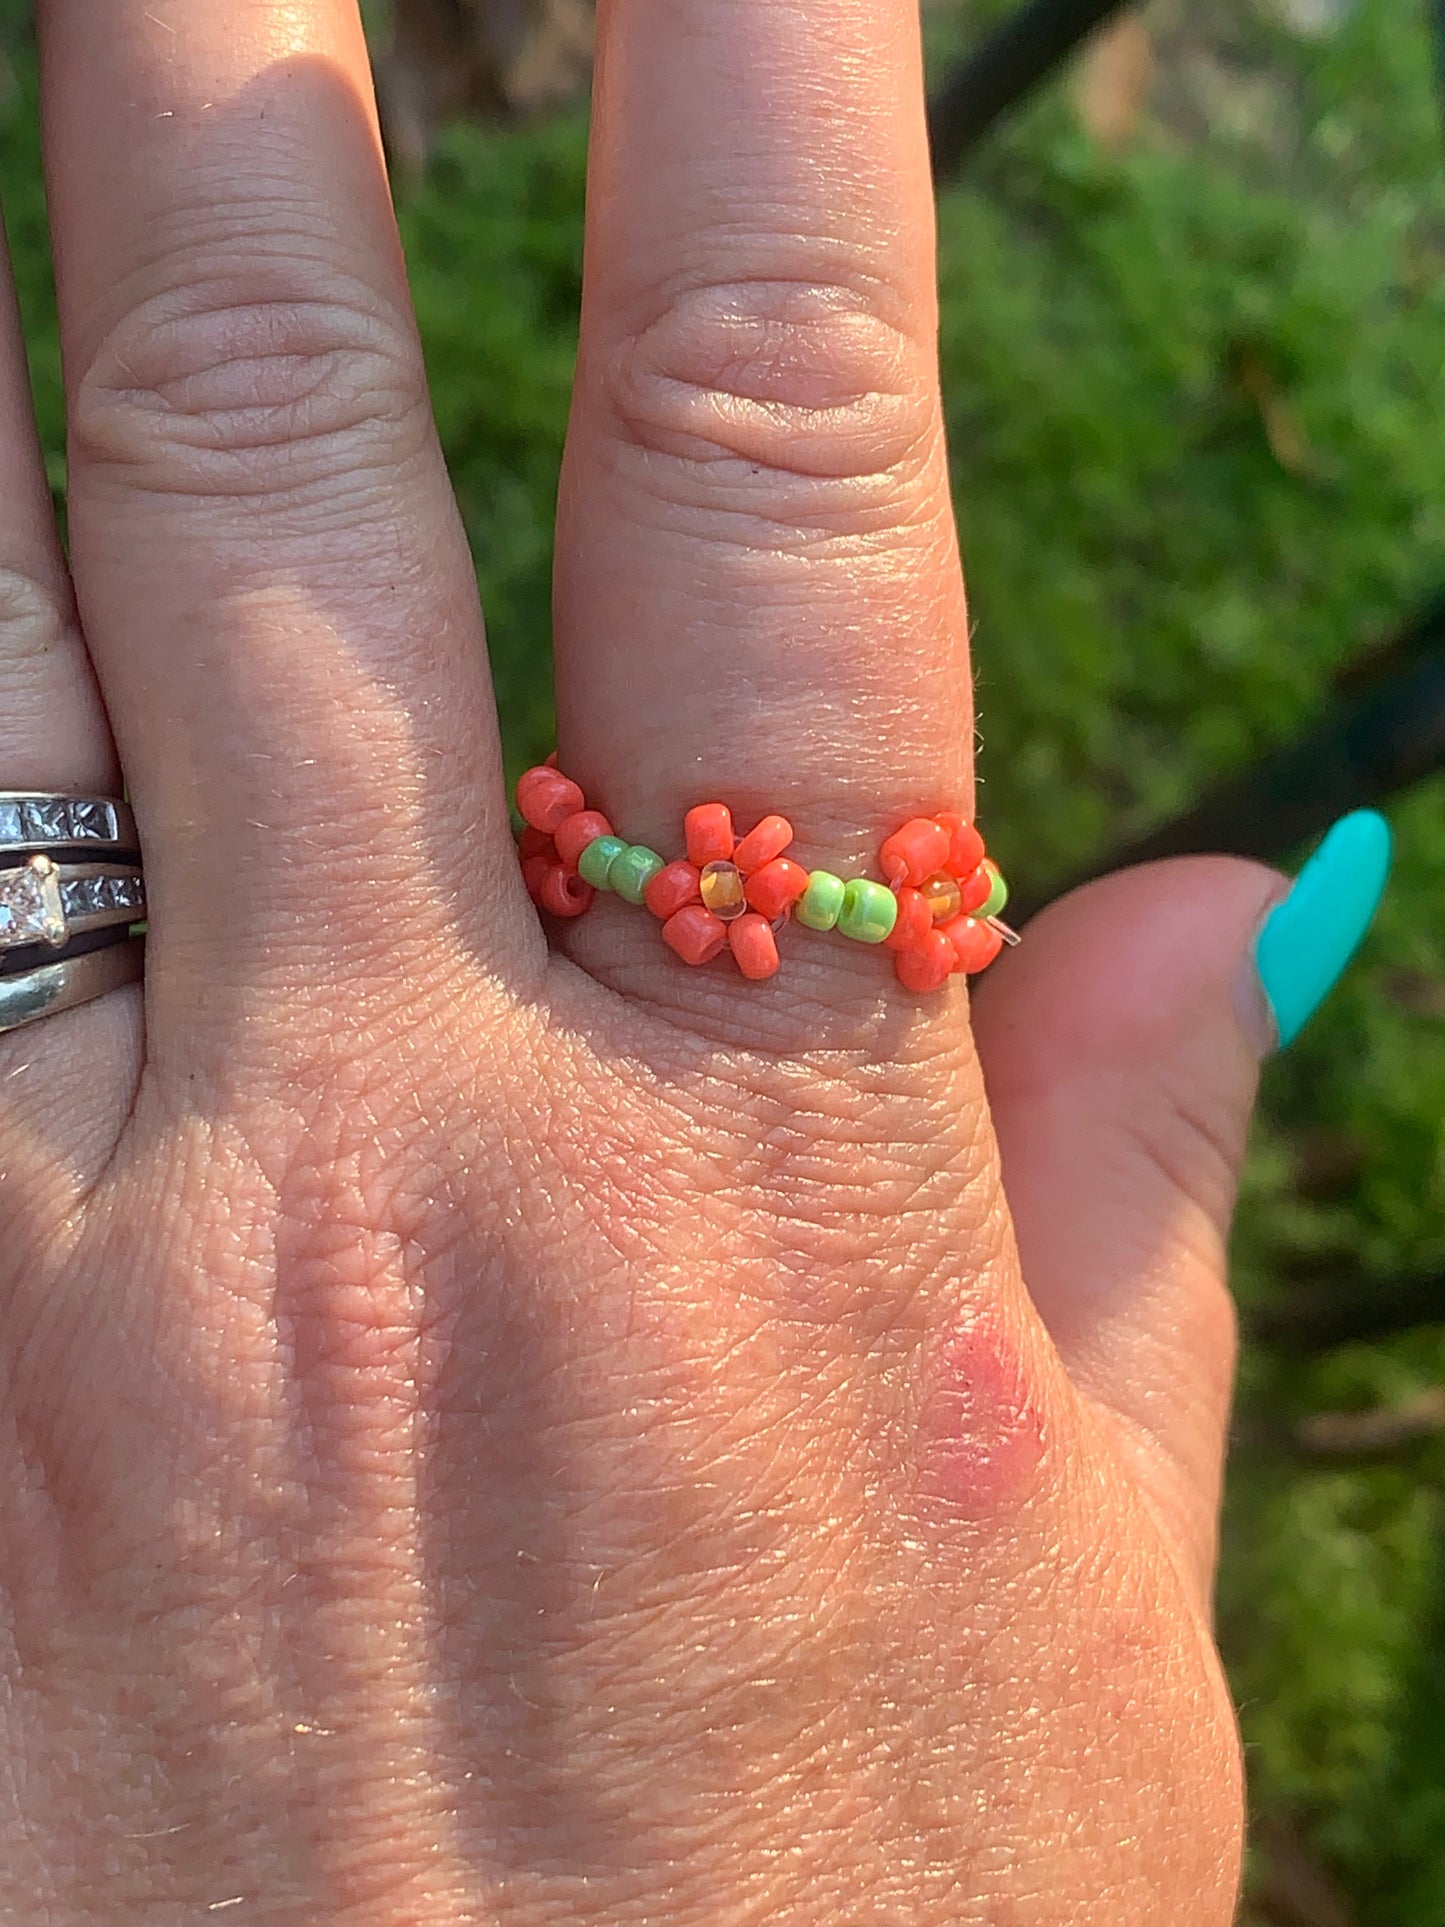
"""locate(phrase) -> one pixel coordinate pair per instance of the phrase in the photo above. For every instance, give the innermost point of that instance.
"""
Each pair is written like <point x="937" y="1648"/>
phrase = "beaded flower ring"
<point x="937" y="910"/>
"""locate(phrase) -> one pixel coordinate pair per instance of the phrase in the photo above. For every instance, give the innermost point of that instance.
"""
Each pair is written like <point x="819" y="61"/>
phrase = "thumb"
<point x="1121" y="1046"/>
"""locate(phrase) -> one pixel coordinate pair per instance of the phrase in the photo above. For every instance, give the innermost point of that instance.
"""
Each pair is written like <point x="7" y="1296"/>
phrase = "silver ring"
<point x="42" y="820"/>
<point x="74" y="980"/>
<point x="43" y="901"/>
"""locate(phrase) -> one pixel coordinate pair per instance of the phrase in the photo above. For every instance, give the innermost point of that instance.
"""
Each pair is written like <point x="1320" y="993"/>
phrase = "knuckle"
<point x="218" y="387"/>
<point x="805" y="387"/>
<point x="34" y="620"/>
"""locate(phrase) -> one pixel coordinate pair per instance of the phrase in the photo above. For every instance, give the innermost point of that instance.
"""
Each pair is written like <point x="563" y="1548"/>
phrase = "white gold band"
<point x="42" y="820"/>
<point x="33" y="994"/>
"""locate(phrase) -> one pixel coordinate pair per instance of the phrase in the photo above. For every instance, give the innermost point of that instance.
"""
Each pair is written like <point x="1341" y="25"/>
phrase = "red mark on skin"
<point x="981" y="1429"/>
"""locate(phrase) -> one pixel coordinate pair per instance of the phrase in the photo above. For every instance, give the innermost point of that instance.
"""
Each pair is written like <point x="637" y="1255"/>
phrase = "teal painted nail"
<point x="1308" y="939"/>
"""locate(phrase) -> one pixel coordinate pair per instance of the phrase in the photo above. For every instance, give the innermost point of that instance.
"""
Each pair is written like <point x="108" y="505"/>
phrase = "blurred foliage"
<point x="1195" y="386"/>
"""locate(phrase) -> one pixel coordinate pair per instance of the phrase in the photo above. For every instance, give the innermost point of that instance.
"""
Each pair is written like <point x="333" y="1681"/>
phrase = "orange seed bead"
<point x="929" y="965"/>
<point x="965" y="847"/>
<point x="915" y="920"/>
<point x="545" y="798"/>
<point x="694" y="933"/>
<point x="709" y="833"/>
<point x="976" y="889"/>
<point x="534" y="843"/>
<point x="563" y="892"/>
<point x="534" y="870"/>
<point x="574" y="833"/>
<point x="762" y="843"/>
<point x="913" y="853"/>
<point x="673" y="886"/>
<point x="753" y="946"/>
<point x="776" y="887"/>
<point x="974" y="943"/>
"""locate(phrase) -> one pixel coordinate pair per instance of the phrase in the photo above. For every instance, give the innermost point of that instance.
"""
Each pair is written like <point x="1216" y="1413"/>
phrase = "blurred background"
<point x="1194" y="368"/>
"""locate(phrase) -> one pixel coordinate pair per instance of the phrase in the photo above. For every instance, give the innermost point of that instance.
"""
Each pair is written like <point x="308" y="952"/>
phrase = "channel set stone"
<point x="45" y="822"/>
<point x="88" y="820"/>
<point x="83" y="897"/>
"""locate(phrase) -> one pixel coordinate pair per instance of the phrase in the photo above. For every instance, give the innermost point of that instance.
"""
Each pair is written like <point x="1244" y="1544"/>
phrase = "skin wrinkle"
<point x="274" y="397"/>
<point x="685" y="501"/>
<point x="865" y="428"/>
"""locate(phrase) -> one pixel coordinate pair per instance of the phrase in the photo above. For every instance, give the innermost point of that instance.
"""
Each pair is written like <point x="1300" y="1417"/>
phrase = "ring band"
<point x="43" y="820"/>
<point x="937" y="910"/>
<point x="42" y="901"/>
<point x="74" y="980"/>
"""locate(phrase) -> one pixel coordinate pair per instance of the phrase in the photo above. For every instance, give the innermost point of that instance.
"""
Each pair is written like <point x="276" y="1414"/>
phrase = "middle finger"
<point x="275" y="584"/>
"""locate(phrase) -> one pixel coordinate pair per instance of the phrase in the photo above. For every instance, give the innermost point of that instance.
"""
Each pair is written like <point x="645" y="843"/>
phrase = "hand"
<point x="499" y="1434"/>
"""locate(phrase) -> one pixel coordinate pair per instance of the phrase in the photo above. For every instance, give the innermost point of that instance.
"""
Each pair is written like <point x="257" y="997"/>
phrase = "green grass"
<point x="1157" y="598"/>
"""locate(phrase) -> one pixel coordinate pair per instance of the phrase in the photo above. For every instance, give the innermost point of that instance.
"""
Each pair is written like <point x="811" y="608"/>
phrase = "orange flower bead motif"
<point x="735" y="879"/>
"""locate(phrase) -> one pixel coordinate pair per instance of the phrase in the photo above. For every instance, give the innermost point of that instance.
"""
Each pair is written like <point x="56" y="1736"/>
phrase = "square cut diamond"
<point x="46" y="823"/>
<point x="89" y="820"/>
<point x="30" y="909"/>
<point x="10" y="826"/>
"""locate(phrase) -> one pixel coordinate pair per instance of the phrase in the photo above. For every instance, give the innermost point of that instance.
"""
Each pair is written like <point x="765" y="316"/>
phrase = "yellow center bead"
<point x="943" y="897"/>
<point x="722" y="890"/>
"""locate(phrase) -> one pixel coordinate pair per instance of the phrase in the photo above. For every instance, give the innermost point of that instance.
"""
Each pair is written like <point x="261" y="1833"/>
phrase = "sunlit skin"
<point x="507" y="1427"/>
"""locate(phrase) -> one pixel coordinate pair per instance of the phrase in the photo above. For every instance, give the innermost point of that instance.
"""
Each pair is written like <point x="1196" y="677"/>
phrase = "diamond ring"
<point x="43" y="901"/>
<point x="71" y="891"/>
<point x="41" y="820"/>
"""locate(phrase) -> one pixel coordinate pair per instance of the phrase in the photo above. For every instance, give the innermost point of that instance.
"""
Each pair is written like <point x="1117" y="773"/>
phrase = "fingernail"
<point x="1310" y="936"/>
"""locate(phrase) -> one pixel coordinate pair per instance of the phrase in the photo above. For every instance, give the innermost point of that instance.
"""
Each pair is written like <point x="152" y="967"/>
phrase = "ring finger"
<point x="758" y="593"/>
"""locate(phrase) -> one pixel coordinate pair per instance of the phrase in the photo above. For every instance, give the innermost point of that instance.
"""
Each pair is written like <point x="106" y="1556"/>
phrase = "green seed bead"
<point x="997" y="897"/>
<point x="818" y="907"/>
<point x="869" y="911"/>
<point x="631" y="872"/>
<point x="594" y="865"/>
